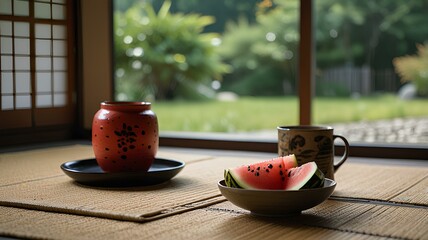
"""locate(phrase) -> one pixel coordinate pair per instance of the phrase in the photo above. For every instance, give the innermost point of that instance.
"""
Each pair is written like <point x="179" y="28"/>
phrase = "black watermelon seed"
<point x="143" y="132"/>
<point x="119" y="145"/>
<point x="107" y="149"/>
<point x="258" y="168"/>
<point x="252" y="170"/>
<point x="267" y="170"/>
<point x="270" y="166"/>
<point x="107" y="136"/>
<point x="248" y="168"/>
<point x="125" y="149"/>
<point x="289" y="173"/>
<point x="257" y="174"/>
<point x="281" y="173"/>
<point x="123" y="157"/>
<point x="150" y="146"/>
<point x="101" y="128"/>
<point x="280" y="166"/>
<point x="117" y="133"/>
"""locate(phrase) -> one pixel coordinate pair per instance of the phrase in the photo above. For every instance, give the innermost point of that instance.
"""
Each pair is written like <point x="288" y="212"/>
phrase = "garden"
<point x="181" y="55"/>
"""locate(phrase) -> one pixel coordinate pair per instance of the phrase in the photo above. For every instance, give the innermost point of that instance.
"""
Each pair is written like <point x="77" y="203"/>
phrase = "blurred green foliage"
<point x="263" y="55"/>
<point x="414" y="69"/>
<point x="160" y="55"/>
<point x="258" y="40"/>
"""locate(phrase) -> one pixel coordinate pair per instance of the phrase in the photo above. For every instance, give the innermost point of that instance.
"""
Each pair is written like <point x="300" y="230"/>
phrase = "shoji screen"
<point x="37" y="70"/>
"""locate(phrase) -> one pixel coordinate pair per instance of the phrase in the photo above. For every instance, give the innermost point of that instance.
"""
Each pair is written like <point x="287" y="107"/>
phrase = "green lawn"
<point x="261" y="113"/>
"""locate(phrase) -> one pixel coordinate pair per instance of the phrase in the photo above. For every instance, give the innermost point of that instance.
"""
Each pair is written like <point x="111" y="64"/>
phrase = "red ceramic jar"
<point x="125" y="136"/>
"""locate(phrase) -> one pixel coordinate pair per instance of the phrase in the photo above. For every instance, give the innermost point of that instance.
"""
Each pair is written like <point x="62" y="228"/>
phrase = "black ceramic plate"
<point x="89" y="173"/>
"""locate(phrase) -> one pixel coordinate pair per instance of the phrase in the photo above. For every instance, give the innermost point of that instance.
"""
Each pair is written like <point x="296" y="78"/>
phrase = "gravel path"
<point x="400" y="130"/>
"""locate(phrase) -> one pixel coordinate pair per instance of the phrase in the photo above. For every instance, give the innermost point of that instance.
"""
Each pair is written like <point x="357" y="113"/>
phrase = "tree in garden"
<point x="351" y="32"/>
<point x="263" y="55"/>
<point x="368" y="32"/>
<point x="160" y="54"/>
<point x="415" y="69"/>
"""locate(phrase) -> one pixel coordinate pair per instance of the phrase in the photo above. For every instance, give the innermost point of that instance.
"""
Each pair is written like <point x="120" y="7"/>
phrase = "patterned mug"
<point x="311" y="143"/>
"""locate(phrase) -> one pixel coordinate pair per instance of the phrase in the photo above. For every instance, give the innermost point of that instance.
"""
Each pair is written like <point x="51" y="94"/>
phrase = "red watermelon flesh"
<point x="270" y="174"/>
<point x="306" y="176"/>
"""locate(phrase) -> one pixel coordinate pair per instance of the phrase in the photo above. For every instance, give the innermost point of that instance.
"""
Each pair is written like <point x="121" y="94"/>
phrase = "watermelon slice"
<point x="306" y="176"/>
<point x="270" y="174"/>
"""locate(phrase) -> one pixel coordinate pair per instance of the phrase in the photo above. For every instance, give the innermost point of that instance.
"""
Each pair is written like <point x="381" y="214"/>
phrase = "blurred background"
<point x="231" y="66"/>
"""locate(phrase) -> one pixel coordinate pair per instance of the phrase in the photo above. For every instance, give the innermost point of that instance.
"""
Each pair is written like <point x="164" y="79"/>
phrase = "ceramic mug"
<point x="311" y="143"/>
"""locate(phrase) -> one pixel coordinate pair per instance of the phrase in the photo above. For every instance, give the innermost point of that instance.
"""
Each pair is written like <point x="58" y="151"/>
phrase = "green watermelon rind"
<point x="316" y="181"/>
<point x="315" y="178"/>
<point x="236" y="180"/>
<point x="229" y="180"/>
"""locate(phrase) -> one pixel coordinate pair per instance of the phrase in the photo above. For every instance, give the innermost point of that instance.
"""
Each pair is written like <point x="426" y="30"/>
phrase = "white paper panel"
<point x="43" y="47"/>
<point x="60" y="100"/>
<point x="59" y="48"/>
<point x="23" y="82"/>
<point x="43" y="82"/>
<point x="23" y="102"/>
<point x="6" y="45"/>
<point x="22" y="46"/>
<point x="5" y="28"/>
<point x="43" y="63"/>
<point x="60" y="83"/>
<point x="22" y="63"/>
<point x="6" y="63"/>
<point x="59" y="32"/>
<point x="42" y="10"/>
<point x="43" y="31"/>
<point x="58" y="12"/>
<point x="20" y="8"/>
<point x="22" y="29"/>
<point x="6" y="7"/>
<point x="44" y="100"/>
<point x="6" y="82"/>
<point x="6" y="102"/>
<point x="59" y="64"/>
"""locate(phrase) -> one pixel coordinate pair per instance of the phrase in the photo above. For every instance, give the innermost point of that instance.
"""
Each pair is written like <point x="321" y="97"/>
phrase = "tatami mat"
<point x="197" y="224"/>
<point x="370" y="201"/>
<point x="373" y="220"/>
<point x="31" y="165"/>
<point x="385" y="183"/>
<point x="61" y="194"/>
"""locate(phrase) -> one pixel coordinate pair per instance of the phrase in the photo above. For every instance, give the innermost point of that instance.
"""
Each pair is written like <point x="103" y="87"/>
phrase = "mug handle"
<point x="345" y="154"/>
